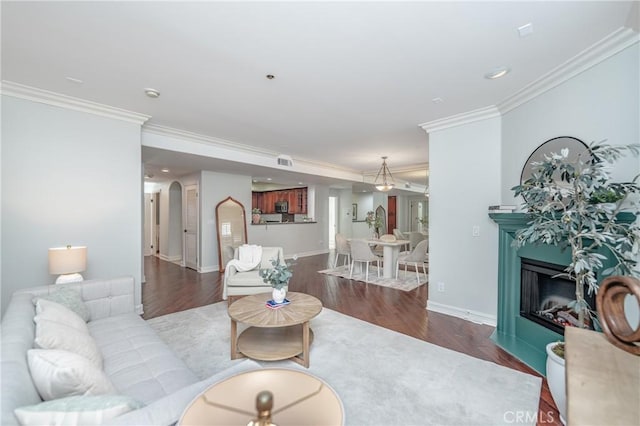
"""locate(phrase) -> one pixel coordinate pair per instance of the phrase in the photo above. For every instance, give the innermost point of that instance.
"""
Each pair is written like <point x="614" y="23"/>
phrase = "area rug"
<point x="382" y="377"/>
<point x="405" y="282"/>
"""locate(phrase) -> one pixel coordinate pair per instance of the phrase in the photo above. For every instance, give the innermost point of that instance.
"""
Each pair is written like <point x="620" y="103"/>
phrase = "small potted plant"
<point x="278" y="277"/>
<point x="255" y="215"/>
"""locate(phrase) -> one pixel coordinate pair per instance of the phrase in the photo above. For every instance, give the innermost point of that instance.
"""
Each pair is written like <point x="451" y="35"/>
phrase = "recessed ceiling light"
<point x="148" y="175"/>
<point x="270" y="76"/>
<point x="497" y="73"/>
<point x="74" y="80"/>
<point x="152" y="93"/>
<point x="437" y="100"/>
<point x="300" y="183"/>
<point x="269" y="179"/>
<point x="165" y="170"/>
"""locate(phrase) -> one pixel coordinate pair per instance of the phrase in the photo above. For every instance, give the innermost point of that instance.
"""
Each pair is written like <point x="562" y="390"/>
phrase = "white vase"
<point x="556" y="381"/>
<point x="278" y="295"/>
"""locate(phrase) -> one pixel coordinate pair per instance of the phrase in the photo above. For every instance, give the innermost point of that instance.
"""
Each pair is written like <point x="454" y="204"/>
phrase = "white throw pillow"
<point x="58" y="374"/>
<point x="52" y="311"/>
<point x="77" y="410"/>
<point x="53" y="335"/>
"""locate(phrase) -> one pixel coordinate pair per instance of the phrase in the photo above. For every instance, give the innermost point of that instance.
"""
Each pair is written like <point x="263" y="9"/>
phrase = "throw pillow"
<point x="53" y="335"/>
<point x="58" y="374"/>
<point x="70" y="298"/>
<point x="77" y="410"/>
<point x="52" y="311"/>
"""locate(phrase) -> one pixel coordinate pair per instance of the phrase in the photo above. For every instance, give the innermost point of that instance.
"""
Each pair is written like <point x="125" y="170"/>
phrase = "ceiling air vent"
<point x="285" y="160"/>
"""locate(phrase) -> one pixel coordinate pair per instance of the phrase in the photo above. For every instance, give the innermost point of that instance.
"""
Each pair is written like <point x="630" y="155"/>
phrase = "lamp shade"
<point x="67" y="260"/>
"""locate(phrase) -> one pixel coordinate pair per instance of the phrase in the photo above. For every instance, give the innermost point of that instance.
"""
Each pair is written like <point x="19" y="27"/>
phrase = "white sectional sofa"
<point x="135" y="360"/>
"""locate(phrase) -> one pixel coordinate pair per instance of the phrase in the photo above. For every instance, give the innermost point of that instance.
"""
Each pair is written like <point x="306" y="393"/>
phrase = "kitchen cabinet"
<point x="296" y="199"/>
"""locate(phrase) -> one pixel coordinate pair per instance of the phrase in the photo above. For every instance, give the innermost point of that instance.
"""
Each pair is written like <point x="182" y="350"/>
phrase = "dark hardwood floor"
<point x="170" y="288"/>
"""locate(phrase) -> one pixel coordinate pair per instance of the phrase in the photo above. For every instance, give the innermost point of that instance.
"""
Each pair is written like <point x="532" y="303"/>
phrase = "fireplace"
<point x="544" y="295"/>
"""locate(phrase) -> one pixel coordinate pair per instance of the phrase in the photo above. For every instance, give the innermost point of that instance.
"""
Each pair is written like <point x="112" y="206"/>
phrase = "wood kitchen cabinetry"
<point x="296" y="199"/>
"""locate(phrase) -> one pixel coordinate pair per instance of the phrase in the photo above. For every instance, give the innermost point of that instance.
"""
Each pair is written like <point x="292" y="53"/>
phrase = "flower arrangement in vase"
<point x="374" y="222"/>
<point x="278" y="277"/>
<point x="255" y="215"/>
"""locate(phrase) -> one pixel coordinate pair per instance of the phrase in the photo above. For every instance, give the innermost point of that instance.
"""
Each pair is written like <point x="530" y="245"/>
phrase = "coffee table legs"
<point x="268" y="344"/>
<point x="235" y="354"/>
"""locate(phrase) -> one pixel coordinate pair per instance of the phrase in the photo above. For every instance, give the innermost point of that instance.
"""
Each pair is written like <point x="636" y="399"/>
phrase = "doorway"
<point x="174" y="234"/>
<point x="191" y="227"/>
<point x="333" y="228"/>
<point x="391" y="213"/>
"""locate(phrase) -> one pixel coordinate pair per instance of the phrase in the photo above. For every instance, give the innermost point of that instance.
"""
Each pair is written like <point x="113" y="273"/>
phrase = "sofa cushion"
<point x="136" y="360"/>
<point x="269" y="253"/>
<point x="247" y="279"/>
<point x="53" y="335"/>
<point x="58" y="374"/>
<point x="52" y="311"/>
<point x="70" y="298"/>
<point x="77" y="410"/>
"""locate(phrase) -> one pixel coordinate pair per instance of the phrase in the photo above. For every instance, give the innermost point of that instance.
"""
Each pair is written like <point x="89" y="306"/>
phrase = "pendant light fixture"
<point x="382" y="182"/>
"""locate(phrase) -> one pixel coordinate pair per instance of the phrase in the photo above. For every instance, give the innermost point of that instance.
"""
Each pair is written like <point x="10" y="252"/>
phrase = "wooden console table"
<point x="603" y="382"/>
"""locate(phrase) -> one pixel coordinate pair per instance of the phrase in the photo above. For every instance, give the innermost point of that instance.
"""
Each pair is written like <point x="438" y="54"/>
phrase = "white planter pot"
<point x="556" y="381"/>
<point x="279" y="295"/>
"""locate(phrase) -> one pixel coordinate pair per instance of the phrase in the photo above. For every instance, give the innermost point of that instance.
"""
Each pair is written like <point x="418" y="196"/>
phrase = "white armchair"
<point x="244" y="283"/>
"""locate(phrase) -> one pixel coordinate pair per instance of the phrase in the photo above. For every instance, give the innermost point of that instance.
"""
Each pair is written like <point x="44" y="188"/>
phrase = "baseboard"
<point x="173" y="259"/>
<point x="205" y="269"/>
<point x="466" y="314"/>
<point x="307" y="253"/>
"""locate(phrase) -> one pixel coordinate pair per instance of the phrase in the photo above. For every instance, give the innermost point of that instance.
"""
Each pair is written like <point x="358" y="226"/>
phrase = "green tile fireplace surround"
<point x="521" y="337"/>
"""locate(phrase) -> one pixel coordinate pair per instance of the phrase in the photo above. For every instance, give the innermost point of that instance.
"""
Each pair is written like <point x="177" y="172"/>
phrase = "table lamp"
<point x="67" y="262"/>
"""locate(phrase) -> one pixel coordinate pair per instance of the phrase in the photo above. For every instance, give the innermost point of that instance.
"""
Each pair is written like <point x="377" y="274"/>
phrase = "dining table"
<point x="390" y="252"/>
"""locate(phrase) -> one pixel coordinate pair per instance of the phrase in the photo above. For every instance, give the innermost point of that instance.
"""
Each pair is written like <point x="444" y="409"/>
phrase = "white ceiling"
<point x="353" y="79"/>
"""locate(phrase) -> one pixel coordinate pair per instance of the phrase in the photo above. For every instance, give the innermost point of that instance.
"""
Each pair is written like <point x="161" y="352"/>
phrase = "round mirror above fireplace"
<point x="577" y="149"/>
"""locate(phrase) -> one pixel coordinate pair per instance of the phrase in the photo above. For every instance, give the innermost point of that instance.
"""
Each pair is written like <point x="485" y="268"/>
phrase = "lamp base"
<point x="69" y="278"/>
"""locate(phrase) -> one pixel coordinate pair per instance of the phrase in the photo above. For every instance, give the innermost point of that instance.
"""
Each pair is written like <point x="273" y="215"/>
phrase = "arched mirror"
<point x="231" y="228"/>
<point x="382" y="214"/>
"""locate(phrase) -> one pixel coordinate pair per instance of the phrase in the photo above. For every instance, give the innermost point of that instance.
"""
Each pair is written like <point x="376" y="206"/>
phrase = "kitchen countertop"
<point x="282" y="223"/>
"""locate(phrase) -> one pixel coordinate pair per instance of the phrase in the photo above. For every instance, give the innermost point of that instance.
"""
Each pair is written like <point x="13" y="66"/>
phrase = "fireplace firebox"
<point x="544" y="296"/>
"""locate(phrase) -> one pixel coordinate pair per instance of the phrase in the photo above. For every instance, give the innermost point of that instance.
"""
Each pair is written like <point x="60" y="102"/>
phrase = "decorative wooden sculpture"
<point x="610" y="303"/>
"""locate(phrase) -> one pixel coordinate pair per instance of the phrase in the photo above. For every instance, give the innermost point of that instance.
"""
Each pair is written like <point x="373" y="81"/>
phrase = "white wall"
<point x="601" y="103"/>
<point x="215" y="187"/>
<point x="68" y="177"/>
<point x="345" y="208"/>
<point x="464" y="180"/>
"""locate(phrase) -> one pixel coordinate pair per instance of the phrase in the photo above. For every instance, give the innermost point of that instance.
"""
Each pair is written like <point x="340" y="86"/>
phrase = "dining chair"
<point x="401" y="236"/>
<point x="342" y="248"/>
<point x="360" y="252"/>
<point x="418" y="257"/>
<point x="415" y="238"/>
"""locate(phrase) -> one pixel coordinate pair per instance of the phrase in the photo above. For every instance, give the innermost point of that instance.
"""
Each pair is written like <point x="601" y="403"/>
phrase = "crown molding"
<point x="200" y="138"/>
<point x="22" y="91"/>
<point x="460" y="119"/>
<point x="240" y="148"/>
<point x="614" y="43"/>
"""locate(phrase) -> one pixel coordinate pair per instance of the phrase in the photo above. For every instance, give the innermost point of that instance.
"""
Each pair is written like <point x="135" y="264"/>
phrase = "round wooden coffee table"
<point x="273" y="334"/>
<point x="298" y="399"/>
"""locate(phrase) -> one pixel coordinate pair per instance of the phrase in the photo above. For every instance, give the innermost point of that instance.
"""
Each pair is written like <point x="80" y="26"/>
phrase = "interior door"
<point x="191" y="227"/>
<point x="391" y="213"/>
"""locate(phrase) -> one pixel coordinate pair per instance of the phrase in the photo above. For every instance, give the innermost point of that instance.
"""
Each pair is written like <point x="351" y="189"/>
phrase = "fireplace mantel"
<point x="517" y="335"/>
